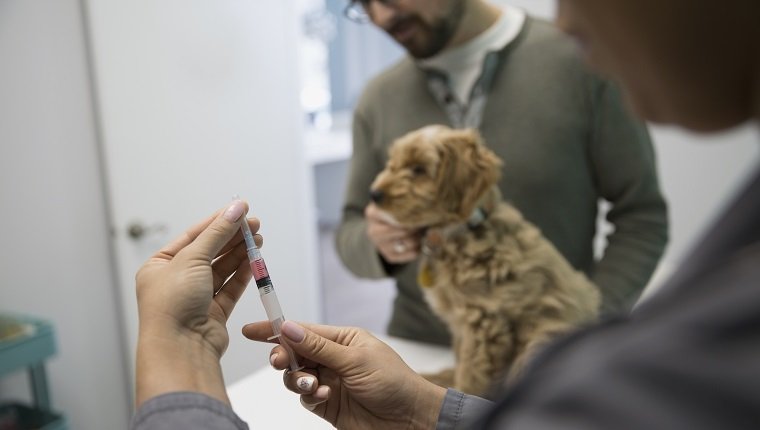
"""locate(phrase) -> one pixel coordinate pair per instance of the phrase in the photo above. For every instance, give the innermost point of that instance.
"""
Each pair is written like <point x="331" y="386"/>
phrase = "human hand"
<point x="352" y="379"/>
<point x="396" y="244"/>
<point x="185" y="293"/>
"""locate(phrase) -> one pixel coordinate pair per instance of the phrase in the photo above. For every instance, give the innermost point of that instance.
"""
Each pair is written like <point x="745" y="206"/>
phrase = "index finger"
<point x="261" y="331"/>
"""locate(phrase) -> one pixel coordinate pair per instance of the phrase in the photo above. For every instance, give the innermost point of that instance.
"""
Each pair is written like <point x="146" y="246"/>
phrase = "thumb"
<point x="315" y="347"/>
<point x="213" y="238"/>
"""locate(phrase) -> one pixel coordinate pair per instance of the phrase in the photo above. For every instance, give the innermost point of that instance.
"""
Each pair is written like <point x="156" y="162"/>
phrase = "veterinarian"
<point x="684" y="359"/>
<point x="564" y="136"/>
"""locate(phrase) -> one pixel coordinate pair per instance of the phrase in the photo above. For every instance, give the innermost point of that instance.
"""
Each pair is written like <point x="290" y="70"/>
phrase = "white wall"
<point x="699" y="175"/>
<point x="540" y="8"/>
<point x="55" y="262"/>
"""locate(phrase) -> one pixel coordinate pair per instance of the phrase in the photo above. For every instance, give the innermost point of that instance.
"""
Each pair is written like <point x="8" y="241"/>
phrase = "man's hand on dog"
<point x="397" y="245"/>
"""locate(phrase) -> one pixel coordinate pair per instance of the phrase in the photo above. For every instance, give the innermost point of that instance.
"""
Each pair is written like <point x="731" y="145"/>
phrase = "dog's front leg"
<point x="484" y="352"/>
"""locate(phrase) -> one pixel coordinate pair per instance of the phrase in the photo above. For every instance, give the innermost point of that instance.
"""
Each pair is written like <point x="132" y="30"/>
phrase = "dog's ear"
<point x="468" y="169"/>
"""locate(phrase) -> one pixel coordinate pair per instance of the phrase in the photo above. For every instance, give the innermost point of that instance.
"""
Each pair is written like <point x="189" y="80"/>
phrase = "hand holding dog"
<point x="357" y="381"/>
<point x="397" y="245"/>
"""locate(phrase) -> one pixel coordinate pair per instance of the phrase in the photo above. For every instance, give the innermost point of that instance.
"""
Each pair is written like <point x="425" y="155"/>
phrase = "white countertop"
<point x="263" y="402"/>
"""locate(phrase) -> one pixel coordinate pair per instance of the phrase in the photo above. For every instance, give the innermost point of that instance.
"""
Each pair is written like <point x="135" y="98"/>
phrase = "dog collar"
<point x="433" y="237"/>
<point x="477" y="217"/>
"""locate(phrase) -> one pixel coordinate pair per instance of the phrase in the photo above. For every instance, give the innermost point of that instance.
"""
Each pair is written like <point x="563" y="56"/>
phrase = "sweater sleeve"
<point x="626" y="176"/>
<point x="461" y="411"/>
<point x="355" y="249"/>
<point x="186" y="411"/>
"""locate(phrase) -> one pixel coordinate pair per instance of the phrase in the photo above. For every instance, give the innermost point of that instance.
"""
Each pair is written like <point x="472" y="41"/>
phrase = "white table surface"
<point x="263" y="402"/>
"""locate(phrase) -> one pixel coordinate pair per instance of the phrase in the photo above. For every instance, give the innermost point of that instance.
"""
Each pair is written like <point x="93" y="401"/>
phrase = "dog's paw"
<point x="444" y="378"/>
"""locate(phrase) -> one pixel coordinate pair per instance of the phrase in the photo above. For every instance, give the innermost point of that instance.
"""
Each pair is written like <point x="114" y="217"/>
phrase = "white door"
<point x="198" y="101"/>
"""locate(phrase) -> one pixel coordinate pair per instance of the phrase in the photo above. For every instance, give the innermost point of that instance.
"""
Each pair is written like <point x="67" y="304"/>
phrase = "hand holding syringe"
<point x="266" y="293"/>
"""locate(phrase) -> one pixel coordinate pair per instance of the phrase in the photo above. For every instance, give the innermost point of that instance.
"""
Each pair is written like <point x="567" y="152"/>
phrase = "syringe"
<point x="266" y="293"/>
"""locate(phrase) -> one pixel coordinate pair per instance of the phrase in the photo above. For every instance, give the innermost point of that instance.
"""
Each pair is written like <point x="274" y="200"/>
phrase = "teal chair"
<point x="25" y="343"/>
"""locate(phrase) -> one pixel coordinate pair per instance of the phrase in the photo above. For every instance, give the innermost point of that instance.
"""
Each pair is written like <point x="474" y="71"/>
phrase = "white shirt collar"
<point x="471" y="53"/>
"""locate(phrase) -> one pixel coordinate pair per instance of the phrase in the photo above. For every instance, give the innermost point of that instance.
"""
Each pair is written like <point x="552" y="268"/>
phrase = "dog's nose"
<point x="376" y="195"/>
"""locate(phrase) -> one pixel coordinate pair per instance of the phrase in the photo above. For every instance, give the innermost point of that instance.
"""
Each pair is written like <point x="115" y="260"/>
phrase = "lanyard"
<point x="469" y="114"/>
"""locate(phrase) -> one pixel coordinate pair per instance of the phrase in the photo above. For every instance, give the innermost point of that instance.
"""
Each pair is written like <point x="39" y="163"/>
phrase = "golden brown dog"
<point x="502" y="288"/>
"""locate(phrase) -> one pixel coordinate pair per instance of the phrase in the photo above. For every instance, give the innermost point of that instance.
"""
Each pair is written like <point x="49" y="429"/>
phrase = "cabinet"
<point x="25" y="344"/>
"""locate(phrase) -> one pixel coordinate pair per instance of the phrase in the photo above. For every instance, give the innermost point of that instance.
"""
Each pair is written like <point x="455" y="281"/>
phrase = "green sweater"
<point x="566" y="141"/>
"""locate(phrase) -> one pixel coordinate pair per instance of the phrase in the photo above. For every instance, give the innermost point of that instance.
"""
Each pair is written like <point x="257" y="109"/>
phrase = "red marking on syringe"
<point x="259" y="269"/>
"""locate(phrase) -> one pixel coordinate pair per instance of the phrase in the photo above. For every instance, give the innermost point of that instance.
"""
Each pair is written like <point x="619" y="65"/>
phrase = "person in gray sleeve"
<point x="565" y="137"/>
<point x="686" y="358"/>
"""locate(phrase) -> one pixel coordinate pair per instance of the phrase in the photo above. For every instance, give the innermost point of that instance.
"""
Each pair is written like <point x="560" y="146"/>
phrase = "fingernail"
<point x="323" y="392"/>
<point x="305" y="383"/>
<point x="307" y="405"/>
<point x="272" y="359"/>
<point x="235" y="210"/>
<point x="293" y="331"/>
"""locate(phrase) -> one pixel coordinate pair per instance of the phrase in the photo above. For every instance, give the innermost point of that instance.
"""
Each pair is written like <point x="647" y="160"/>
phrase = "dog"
<point x="501" y="287"/>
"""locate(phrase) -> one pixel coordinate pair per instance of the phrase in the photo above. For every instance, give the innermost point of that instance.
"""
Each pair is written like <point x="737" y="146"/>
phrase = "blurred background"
<point x="122" y="123"/>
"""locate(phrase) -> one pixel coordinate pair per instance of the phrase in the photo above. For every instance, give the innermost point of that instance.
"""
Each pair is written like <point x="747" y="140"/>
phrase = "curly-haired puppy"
<point x="503" y="289"/>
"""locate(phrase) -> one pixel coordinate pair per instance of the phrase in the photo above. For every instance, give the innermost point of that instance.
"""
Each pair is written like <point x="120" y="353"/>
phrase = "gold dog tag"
<point x="424" y="277"/>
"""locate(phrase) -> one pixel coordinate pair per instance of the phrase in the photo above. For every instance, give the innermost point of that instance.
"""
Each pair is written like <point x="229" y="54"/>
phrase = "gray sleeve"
<point x="355" y="249"/>
<point x="186" y="411"/>
<point x="461" y="411"/>
<point x="625" y="171"/>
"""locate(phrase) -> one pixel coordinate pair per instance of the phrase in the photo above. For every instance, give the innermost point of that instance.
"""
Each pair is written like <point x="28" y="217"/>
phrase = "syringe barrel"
<point x="266" y="292"/>
<point x="270" y="302"/>
<point x="274" y="314"/>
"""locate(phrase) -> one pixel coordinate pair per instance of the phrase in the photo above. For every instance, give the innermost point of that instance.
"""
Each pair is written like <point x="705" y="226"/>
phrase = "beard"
<point x="429" y="38"/>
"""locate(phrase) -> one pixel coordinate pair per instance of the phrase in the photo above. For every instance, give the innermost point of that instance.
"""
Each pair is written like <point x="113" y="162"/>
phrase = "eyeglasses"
<point x="356" y="10"/>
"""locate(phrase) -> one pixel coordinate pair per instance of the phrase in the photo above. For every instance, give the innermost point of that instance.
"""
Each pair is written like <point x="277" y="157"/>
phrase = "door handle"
<point x="138" y="230"/>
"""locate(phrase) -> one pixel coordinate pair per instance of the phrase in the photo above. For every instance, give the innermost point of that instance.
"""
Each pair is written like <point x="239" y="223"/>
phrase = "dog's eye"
<point x="418" y="170"/>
